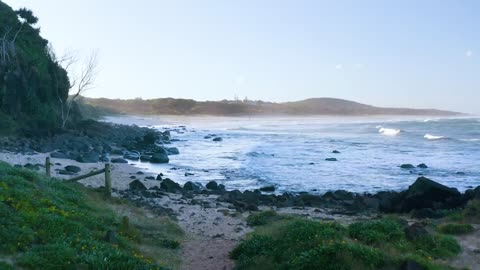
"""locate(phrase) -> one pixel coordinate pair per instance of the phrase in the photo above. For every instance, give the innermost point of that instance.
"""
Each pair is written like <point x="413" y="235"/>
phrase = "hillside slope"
<point x="313" y="106"/>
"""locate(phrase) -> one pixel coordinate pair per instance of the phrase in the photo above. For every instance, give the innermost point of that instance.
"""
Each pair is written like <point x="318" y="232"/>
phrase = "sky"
<point x="405" y="53"/>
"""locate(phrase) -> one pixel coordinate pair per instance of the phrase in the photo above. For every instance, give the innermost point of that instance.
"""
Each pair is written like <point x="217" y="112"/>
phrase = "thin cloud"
<point x="339" y="66"/>
<point x="469" y="53"/>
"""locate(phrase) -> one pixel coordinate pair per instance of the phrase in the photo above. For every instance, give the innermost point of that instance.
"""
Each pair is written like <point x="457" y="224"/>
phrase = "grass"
<point x="297" y="243"/>
<point x="47" y="224"/>
<point x="455" y="228"/>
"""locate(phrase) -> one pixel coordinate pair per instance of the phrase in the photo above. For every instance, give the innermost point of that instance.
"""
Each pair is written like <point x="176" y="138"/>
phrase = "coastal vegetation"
<point x="313" y="106"/>
<point x="298" y="243"/>
<point x="48" y="224"/>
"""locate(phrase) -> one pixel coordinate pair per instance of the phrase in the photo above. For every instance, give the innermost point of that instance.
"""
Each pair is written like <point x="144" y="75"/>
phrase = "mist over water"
<point x="290" y="152"/>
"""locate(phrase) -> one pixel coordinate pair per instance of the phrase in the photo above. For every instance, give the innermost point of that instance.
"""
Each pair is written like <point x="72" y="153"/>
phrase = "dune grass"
<point x="298" y="243"/>
<point x="47" y="224"/>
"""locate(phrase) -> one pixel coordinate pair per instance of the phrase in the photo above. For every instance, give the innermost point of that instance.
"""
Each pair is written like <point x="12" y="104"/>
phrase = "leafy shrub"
<point x="377" y="231"/>
<point x="455" y="228"/>
<point x="262" y="218"/>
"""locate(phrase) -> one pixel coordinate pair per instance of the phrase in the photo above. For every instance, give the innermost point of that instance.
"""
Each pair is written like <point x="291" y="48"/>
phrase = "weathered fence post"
<point x="48" y="166"/>
<point x="108" y="180"/>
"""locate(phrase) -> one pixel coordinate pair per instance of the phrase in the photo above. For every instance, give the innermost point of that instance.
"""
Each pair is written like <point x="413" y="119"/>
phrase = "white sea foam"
<point x="389" y="131"/>
<point x="433" y="137"/>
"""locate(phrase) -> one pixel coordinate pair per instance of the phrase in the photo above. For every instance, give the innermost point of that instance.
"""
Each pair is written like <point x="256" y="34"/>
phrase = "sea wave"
<point x="388" y="131"/>
<point x="470" y="140"/>
<point x="434" y="137"/>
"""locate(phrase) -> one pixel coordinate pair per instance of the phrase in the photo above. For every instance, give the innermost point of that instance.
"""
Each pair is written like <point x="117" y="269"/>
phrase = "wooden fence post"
<point x="108" y="180"/>
<point x="48" y="166"/>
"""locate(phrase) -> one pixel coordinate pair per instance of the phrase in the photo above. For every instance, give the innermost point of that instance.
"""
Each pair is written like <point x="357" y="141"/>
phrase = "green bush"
<point x="377" y="231"/>
<point x="455" y="228"/>
<point x="47" y="224"/>
<point x="262" y="218"/>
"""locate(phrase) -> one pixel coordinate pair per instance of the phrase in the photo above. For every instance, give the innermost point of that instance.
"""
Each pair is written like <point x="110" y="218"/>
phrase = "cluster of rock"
<point x="93" y="142"/>
<point x="424" y="198"/>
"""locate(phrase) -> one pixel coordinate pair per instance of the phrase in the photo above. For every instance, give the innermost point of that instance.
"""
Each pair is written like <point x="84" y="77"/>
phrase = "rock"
<point x="212" y="185"/>
<point x="73" y="169"/>
<point x="407" y="166"/>
<point x="335" y="152"/>
<point x="411" y="265"/>
<point x="159" y="177"/>
<point x="136" y="185"/>
<point x="131" y="156"/>
<point x="119" y="160"/>
<point x="59" y="155"/>
<point x="422" y="166"/>
<point x="31" y="166"/>
<point x="217" y="139"/>
<point x="189" y="174"/>
<point x="140" y="173"/>
<point x="425" y="193"/>
<point x="145" y="158"/>
<point x="65" y="172"/>
<point x="339" y="195"/>
<point x="331" y="159"/>
<point x="190" y="186"/>
<point x="268" y="188"/>
<point x="160" y="158"/>
<point x="150" y="138"/>
<point x="170" y="186"/>
<point x="91" y="157"/>
<point x="173" y="151"/>
<point x="150" y="178"/>
<point x="105" y="157"/>
<point x="207" y="137"/>
<point x="415" y="231"/>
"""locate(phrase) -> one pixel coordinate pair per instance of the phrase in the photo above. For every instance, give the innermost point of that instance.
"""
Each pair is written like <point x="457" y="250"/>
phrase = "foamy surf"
<point x="389" y="131"/>
<point x="434" y="137"/>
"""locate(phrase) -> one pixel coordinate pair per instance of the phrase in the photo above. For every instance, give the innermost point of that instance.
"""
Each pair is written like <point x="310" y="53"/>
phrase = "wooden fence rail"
<point x="106" y="170"/>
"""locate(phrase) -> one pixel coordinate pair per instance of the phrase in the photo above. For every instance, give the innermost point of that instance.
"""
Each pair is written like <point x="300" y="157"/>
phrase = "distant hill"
<point x="313" y="106"/>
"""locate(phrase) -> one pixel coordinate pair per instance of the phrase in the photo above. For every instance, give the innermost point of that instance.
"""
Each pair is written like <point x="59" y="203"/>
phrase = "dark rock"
<point x="150" y="138"/>
<point x="91" y="157"/>
<point x="170" y="186"/>
<point x="422" y="166"/>
<point x="411" y="265"/>
<point x="331" y="159"/>
<point x="335" y="152"/>
<point x="73" y="169"/>
<point x="59" y="155"/>
<point x="140" y="173"/>
<point x="268" y="188"/>
<point x="339" y="195"/>
<point x="136" y="185"/>
<point x="149" y="178"/>
<point x="145" y="158"/>
<point x="207" y="137"/>
<point x="119" y="160"/>
<point x="133" y="177"/>
<point x="31" y="166"/>
<point x="461" y="173"/>
<point x="65" y="172"/>
<point x="173" y="151"/>
<point x="212" y="185"/>
<point x="160" y="158"/>
<point x="131" y="156"/>
<point x="189" y="174"/>
<point x="425" y="193"/>
<point x="159" y="177"/>
<point x="407" y="166"/>
<point x="190" y="186"/>
<point x="415" y="231"/>
<point x="217" y="139"/>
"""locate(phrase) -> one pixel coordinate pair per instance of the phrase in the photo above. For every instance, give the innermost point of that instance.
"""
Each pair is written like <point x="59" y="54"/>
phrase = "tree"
<point x="79" y="83"/>
<point x="27" y="15"/>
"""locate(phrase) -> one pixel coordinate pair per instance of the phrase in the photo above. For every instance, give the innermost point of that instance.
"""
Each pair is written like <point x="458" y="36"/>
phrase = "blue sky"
<point x="420" y="54"/>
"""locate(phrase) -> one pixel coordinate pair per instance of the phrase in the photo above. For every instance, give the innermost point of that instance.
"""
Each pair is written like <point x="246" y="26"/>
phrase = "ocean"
<point x="290" y="152"/>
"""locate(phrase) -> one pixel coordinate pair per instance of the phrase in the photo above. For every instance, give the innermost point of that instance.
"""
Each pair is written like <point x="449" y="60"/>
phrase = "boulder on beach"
<point x="173" y="151"/>
<point x="407" y="166"/>
<point x="65" y="172"/>
<point x="91" y="157"/>
<point x="159" y="176"/>
<point x="73" y="169"/>
<point x="136" y="185"/>
<point x="160" y="158"/>
<point x="131" y="156"/>
<point x="119" y="160"/>
<point x="335" y="152"/>
<point x="422" y="166"/>
<point x="212" y="185"/>
<point x="217" y="139"/>
<point x="190" y="186"/>
<point x="145" y="158"/>
<point x="170" y="186"/>
<point x="270" y="188"/>
<point x="331" y="159"/>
